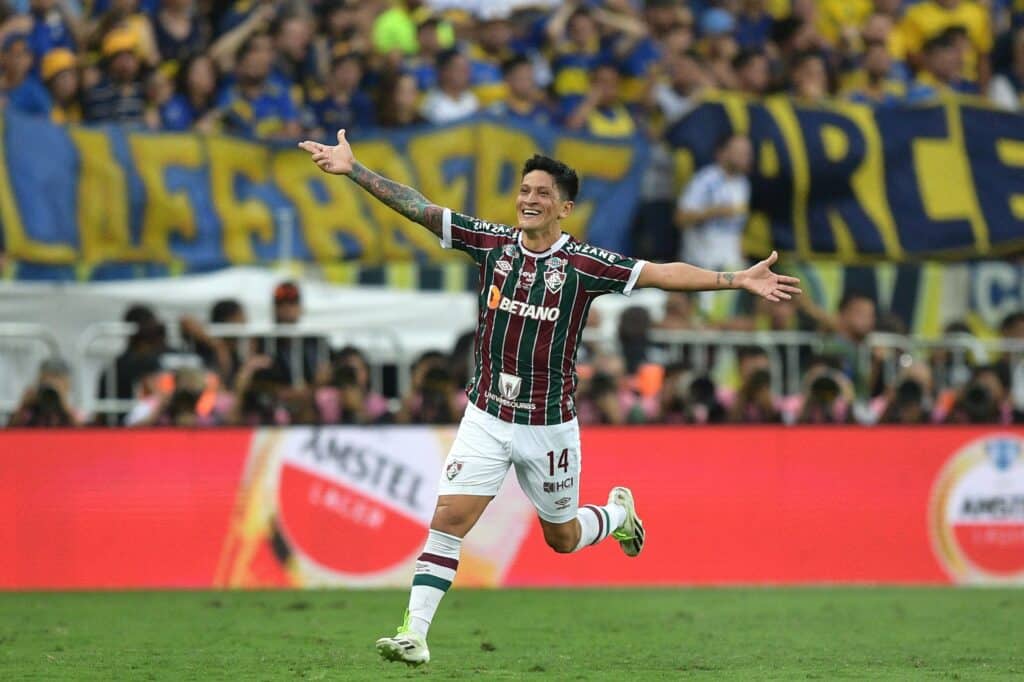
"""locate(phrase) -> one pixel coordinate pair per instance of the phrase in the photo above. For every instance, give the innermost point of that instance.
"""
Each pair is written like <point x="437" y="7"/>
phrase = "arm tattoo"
<point x="397" y="196"/>
<point x="727" y="276"/>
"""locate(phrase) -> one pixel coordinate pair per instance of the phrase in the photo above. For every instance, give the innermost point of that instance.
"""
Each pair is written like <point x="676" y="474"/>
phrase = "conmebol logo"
<point x="977" y="512"/>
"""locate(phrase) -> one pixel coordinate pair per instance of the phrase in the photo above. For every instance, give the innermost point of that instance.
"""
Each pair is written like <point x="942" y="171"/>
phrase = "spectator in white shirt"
<point x="451" y="100"/>
<point x="1006" y="90"/>
<point x="713" y="207"/>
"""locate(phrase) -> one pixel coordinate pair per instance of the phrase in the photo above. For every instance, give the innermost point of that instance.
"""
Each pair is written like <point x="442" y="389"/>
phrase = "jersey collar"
<point x="552" y="249"/>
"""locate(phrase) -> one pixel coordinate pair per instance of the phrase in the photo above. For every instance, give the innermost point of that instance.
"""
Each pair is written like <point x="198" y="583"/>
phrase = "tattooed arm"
<point x="758" y="280"/>
<point x="339" y="160"/>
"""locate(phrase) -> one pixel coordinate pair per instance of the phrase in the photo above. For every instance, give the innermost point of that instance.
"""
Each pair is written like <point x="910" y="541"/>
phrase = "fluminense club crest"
<point x="554" y="274"/>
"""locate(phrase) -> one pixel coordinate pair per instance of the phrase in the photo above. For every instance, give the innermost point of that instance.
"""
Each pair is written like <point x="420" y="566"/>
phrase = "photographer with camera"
<point x="46" y="403"/>
<point x="346" y="397"/>
<point x="827" y="396"/>
<point x="434" y="397"/>
<point x="984" y="399"/>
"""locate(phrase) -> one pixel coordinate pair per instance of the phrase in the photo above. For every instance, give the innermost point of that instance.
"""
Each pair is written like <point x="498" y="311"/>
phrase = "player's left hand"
<point x="761" y="281"/>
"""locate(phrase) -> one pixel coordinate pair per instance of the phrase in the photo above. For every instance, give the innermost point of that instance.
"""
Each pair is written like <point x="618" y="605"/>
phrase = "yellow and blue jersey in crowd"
<point x="571" y="69"/>
<point x="611" y="122"/>
<point x="635" y="67"/>
<point x="424" y="71"/>
<point x="926" y="88"/>
<point x="331" y="115"/>
<point x="48" y="33"/>
<point x="260" y="117"/>
<point x="485" y="77"/>
<point x="890" y="93"/>
<point x="523" y="112"/>
<point x="178" y="114"/>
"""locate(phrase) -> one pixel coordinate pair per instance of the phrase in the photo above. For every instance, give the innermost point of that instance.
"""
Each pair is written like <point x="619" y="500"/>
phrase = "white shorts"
<point x="546" y="458"/>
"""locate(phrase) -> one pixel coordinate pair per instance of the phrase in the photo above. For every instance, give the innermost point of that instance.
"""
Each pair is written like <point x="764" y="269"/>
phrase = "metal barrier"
<point x="103" y="342"/>
<point x="20" y="346"/>
<point x="965" y="351"/>
<point x="782" y="349"/>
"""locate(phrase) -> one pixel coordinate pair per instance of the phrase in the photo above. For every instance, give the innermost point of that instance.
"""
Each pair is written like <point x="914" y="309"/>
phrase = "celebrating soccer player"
<point x="536" y="287"/>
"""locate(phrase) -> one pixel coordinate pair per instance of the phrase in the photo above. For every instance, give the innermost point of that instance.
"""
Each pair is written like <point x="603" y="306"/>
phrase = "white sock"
<point x="597" y="523"/>
<point x="435" y="571"/>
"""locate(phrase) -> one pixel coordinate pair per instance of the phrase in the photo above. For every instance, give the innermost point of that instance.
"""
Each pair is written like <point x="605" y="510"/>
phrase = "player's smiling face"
<point x="540" y="204"/>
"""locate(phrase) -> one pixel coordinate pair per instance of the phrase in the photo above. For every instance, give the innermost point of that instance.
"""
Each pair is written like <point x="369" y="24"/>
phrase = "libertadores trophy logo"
<point x="976" y="515"/>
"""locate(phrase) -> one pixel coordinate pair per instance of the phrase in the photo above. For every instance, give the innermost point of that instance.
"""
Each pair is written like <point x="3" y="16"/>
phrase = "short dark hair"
<point x="513" y="62"/>
<point x="1011" y="320"/>
<point x="943" y="40"/>
<point x="224" y="309"/>
<point x="746" y="56"/>
<point x="446" y="57"/>
<point x="566" y="180"/>
<point x="801" y="58"/>
<point x="853" y="296"/>
<point x="723" y="140"/>
<point x="249" y="45"/>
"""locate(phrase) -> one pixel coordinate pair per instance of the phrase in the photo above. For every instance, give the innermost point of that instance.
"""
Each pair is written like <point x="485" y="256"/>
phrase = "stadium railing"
<point x="963" y="351"/>
<point x="99" y="345"/>
<point x="23" y="345"/>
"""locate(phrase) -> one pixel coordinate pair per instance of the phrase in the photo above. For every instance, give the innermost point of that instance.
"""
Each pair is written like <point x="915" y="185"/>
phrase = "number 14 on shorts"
<point x="563" y="461"/>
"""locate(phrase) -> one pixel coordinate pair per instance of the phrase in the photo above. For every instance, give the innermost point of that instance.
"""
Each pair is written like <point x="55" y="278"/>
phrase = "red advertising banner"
<point x="349" y="506"/>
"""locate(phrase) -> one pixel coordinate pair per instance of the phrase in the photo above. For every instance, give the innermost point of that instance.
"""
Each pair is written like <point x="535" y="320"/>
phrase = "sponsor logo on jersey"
<point x="453" y="469"/>
<point x="510" y="385"/>
<point x="514" y="404"/>
<point x="588" y="250"/>
<point x="976" y="514"/>
<point x="526" y="279"/>
<point x="563" y="503"/>
<point x="554" y="274"/>
<point x="495" y="301"/>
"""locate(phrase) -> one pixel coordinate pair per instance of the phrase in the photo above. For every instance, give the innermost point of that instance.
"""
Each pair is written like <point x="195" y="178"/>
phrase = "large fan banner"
<point x="842" y="181"/>
<point x="110" y="202"/>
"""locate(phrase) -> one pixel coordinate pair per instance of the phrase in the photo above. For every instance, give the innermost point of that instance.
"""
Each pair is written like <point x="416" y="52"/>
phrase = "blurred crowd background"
<point x="613" y="69"/>
<point x="275" y="69"/>
<point x="638" y="375"/>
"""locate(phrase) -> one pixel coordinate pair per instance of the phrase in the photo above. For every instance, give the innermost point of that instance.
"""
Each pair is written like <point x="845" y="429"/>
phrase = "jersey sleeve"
<point x="606" y="272"/>
<point x="472" y="235"/>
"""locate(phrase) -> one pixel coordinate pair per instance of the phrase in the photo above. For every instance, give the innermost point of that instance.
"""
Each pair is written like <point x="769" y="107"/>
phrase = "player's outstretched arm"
<point x="758" y="279"/>
<point x="339" y="160"/>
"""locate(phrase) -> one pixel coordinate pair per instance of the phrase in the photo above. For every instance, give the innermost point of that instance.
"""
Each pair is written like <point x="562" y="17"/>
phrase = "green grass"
<point x="826" y="633"/>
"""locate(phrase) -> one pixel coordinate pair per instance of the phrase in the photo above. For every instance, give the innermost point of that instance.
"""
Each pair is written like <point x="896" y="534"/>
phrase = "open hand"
<point x="761" y="281"/>
<point x="337" y="159"/>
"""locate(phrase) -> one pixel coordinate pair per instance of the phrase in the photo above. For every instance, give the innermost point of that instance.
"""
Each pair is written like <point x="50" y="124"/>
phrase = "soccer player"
<point x="536" y="286"/>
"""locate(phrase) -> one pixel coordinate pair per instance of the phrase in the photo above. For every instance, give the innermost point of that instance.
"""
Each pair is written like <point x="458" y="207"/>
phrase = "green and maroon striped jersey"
<point x="533" y="307"/>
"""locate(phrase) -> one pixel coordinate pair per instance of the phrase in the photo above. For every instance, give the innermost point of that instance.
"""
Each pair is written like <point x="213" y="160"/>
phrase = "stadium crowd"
<point x="635" y="379"/>
<point x="276" y="69"/>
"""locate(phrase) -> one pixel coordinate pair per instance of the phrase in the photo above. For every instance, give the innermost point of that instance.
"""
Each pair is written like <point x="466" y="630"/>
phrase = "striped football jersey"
<point x="533" y="308"/>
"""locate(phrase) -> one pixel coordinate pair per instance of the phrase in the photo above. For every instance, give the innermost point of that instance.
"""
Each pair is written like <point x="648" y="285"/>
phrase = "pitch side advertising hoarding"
<point x="341" y="506"/>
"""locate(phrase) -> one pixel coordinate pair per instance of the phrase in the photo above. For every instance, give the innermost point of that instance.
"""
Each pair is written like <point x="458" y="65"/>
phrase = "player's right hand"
<point x="337" y="159"/>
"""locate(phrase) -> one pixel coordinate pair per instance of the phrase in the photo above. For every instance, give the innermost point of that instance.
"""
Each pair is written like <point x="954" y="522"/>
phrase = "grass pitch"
<point x="744" y="634"/>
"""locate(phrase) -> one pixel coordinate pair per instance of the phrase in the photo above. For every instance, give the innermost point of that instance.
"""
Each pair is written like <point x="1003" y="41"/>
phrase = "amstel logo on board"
<point x="350" y="506"/>
<point x="976" y="514"/>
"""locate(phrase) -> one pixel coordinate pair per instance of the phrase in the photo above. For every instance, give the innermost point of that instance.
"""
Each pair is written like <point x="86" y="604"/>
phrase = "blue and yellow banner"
<point x="845" y="182"/>
<point x="108" y="203"/>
